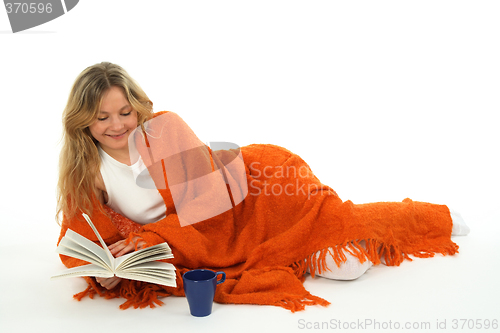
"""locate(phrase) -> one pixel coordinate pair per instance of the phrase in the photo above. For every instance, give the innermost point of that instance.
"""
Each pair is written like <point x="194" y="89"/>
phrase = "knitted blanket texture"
<point x="259" y="214"/>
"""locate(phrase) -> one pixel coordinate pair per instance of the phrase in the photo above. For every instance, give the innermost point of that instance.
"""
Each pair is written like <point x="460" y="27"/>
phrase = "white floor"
<point x="424" y="293"/>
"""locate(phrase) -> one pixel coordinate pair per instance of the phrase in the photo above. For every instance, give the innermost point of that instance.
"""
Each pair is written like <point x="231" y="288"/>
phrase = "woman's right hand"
<point x="108" y="283"/>
<point x="123" y="247"/>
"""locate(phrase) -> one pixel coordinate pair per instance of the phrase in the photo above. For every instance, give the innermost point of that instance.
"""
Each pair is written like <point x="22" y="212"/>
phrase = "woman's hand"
<point x="108" y="283"/>
<point x="118" y="249"/>
<point x="121" y="247"/>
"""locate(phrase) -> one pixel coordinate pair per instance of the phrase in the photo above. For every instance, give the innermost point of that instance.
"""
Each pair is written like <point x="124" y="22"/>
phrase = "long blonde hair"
<point x="79" y="160"/>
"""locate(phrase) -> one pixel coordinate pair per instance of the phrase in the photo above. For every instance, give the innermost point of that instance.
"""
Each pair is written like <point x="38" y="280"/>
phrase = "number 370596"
<point x="25" y="7"/>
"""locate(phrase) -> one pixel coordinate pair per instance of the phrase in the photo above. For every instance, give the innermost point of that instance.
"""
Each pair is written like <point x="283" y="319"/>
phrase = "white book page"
<point x="153" y="272"/>
<point x="162" y="267"/>
<point x="86" y="270"/>
<point x="126" y="264"/>
<point x="80" y="244"/>
<point x="153" y="253"/>
<point x="156" y="274"/>
<point x="110" y="257"/>
<point x="169" y="282"/>
<point x="68" y="248"/>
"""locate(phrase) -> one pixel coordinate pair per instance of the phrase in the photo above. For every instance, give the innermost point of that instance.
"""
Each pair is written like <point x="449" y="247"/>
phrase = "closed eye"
<point x="123" y="114"/>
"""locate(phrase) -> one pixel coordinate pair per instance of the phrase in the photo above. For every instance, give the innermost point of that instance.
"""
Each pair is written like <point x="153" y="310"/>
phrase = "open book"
<point x="141" y="265"/>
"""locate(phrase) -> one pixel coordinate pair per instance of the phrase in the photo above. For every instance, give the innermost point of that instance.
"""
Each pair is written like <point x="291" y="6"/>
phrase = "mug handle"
<point x="223" y="277"/>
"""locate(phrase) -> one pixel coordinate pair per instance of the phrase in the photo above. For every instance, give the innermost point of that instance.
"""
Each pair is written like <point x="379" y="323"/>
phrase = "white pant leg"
<point x="459" y="227"/>
<point x="351" y="269"/>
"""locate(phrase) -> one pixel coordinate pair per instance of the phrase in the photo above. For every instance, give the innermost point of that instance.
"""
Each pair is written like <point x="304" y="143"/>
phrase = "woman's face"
<point x="115" y="121"/>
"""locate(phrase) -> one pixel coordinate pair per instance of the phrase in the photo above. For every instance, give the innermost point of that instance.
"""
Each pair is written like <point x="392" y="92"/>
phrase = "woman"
<point x="257" y="212"/>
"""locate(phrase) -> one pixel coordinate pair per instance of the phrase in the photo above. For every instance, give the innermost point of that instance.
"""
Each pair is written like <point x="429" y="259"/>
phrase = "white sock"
<point x="459" y="227"/>
<point x="351" y="269"/>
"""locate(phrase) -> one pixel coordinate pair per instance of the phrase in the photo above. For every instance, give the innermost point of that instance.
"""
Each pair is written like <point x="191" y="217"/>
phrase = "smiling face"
<point x="115" y="121"/>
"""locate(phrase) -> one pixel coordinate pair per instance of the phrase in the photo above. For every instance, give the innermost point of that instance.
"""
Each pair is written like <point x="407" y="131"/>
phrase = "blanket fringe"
<point x="137" y="294"/>
<point x="316" y="262"/>
<point x="87" y="292"/>
<point x="299" y="269"/>
<point x="368" y="249"/>
<point x="295" y="305"/>
<point x="140" y="296"/>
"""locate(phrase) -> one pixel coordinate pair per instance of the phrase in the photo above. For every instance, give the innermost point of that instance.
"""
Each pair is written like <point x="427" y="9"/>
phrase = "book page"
<point x="110" y="257"/>
<point x="150" y="279"/>
<point x="154" y="268"/>
<point x="69" y="248"/>
<point x="153" y="253"/>
<point x="153" y="272"/>
<point x="91" y="251"/>
<point x="85" y="270"/>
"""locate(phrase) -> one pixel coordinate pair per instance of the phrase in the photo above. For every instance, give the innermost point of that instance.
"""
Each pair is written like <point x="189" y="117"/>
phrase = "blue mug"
<point x="199" y="287"/>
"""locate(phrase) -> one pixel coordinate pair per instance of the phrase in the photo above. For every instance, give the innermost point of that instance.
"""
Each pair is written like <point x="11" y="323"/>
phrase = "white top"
<point x="141" y="203"/>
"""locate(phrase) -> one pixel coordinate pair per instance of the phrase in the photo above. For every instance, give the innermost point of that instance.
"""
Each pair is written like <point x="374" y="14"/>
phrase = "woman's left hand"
<point x="109" y="283"/>
<point x="121" y="247"/>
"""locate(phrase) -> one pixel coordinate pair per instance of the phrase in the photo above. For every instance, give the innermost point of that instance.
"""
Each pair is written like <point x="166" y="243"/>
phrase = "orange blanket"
<point x="259" y="214"/>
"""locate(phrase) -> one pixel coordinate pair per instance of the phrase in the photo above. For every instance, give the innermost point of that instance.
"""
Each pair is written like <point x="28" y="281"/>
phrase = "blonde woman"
<point x="253" y="211"/>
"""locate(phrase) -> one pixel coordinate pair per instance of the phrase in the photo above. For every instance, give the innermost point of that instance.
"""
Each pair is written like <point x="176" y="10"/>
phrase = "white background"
<point x="384" y="100"/>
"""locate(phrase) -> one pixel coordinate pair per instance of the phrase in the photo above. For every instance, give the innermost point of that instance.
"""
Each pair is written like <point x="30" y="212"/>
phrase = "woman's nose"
<point x="116" y="123"/>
